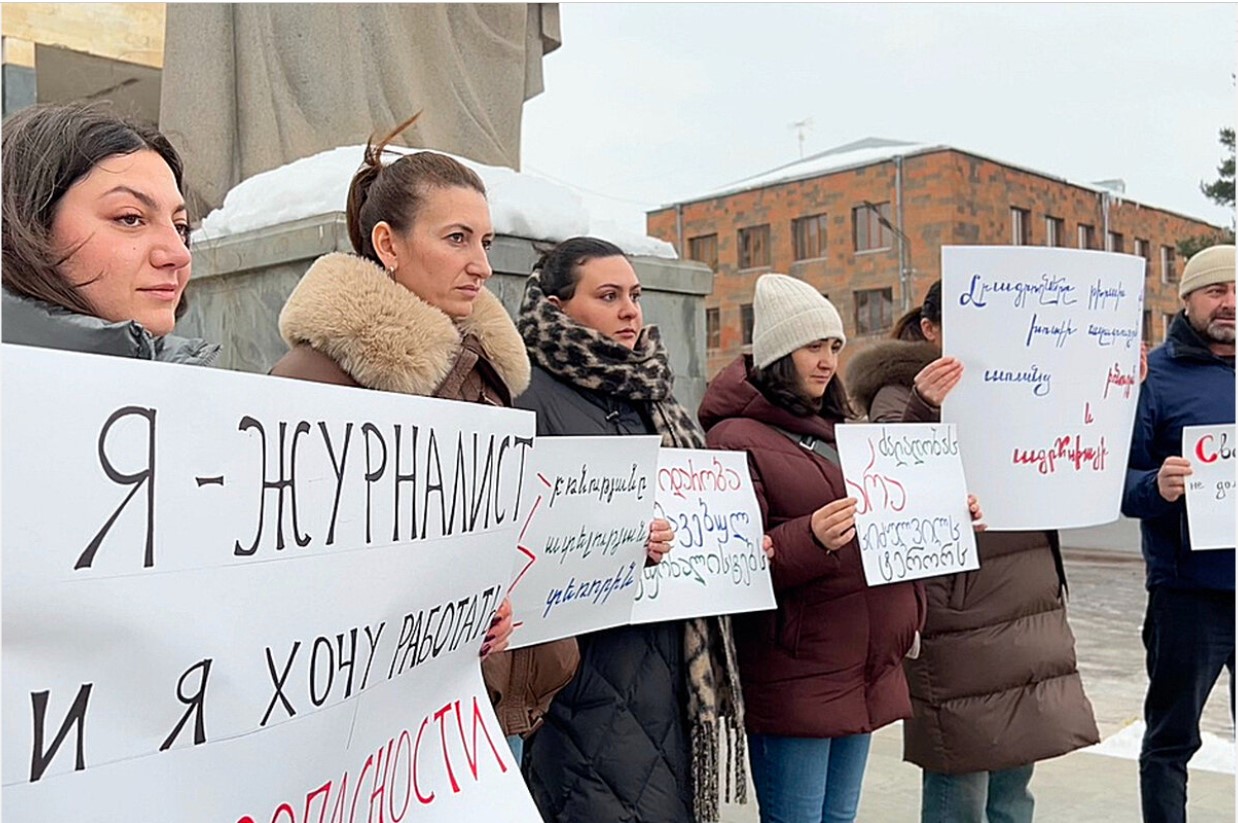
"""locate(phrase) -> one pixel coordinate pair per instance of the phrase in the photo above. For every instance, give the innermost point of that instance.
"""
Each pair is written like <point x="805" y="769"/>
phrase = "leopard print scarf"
<point x="642" y="375"/>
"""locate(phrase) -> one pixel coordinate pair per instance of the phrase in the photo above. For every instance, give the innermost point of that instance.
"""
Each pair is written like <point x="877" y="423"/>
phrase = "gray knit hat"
<point x="1214" y="264"/>
<point x="788" y="313"/>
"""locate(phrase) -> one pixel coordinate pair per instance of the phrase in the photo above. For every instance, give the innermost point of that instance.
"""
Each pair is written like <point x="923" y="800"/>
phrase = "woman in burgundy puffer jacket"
<point x="824" y="670"/>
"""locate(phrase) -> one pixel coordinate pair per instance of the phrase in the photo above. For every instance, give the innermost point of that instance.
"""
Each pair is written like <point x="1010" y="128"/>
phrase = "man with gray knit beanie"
<point x="1188" y="632"/>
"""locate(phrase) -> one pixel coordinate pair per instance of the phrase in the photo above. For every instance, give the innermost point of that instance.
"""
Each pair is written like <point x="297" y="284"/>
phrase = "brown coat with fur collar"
<point x="995" y="685"/>
<point x="349" y="324"/>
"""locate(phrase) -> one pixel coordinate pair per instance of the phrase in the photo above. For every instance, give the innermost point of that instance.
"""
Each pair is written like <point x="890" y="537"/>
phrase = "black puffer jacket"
<point x="615" y="745"/>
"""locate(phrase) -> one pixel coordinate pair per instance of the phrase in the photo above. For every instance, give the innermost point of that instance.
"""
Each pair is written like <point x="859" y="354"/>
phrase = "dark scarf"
<point x="642" y="376"/>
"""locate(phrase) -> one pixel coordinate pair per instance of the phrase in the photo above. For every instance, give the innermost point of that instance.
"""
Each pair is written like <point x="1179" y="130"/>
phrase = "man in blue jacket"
<point x="1189" y="628"/>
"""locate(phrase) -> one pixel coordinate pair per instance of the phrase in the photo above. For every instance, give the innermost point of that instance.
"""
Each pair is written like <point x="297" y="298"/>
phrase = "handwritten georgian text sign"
<point x="716" y="565"/>
<point x="1210" y="491"/>
<point x="912" y="518"/>
<point x="588" y="506"/>
<point x="236" y="598"/>
<point x="1049" y="340"/>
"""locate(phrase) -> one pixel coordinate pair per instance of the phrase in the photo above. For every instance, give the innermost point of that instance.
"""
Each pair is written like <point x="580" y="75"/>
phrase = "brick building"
<point x="864" y="223"/>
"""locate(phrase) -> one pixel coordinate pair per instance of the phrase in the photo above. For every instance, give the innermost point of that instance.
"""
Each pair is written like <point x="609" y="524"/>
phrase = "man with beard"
<point x="1188" y="631"/>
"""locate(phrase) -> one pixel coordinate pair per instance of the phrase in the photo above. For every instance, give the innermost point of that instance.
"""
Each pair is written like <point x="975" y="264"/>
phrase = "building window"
<point x="1166" y="319"/>
<point x="713" y="328"/>
<point x="754" y="247"/>
<point x="1020" y="227"/>
<point x="1144" y="249"/>
<point x="1169" y="265"/>
<point x="808" y="234"/>
<point x="874" y="310"/>
<point x="1055" y="231"/>
<point x="1087" y="236"/>
<point x="1115" y="242"/>
<point x="1147" y="326"/>
<point x="745" y="317"/>
<point x="867" y="228"/>
<point x="704" y="249"/>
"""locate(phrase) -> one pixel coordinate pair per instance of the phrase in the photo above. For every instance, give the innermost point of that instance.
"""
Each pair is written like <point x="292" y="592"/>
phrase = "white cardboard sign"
<point x="582" y="543"/>
<point x="1050" y="340"/>
<point x="230" y="597"/>
<point x="1210" y="491"/>
<point x="912" y="518"/>
<point x="716" y="564"/>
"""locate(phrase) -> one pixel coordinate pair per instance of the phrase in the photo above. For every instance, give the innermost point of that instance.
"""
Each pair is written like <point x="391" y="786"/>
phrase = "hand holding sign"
<point x="660" y="536"/>
<point x="973" y="507"/>
<point x="834" y="523"/>
<point x="500" y="630"/>
<point x="1171" y="479"/>
<point x="936" y="379"/>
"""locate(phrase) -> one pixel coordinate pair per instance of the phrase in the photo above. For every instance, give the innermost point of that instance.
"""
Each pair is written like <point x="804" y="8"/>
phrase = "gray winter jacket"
<point x="29" y="322"/>
<point x="615" y="745"/>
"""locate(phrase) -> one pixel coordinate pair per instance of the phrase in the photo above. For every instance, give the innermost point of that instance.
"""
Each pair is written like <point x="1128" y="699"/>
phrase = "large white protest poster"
<point x="229" y="597"/>
<point x="1050" y="340"/>
<point x="1210" y="491"/>
<point x="716" y="564"/>
<point x="911" y="516"/>
<point x="588" y="506"/>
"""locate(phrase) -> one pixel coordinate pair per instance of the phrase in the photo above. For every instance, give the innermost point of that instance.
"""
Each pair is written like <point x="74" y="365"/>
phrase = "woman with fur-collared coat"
<point x="410" y="314"/>
<point x="995" y="687"/>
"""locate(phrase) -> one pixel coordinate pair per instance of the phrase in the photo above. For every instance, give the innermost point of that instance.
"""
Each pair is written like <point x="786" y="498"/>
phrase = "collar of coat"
<point x="884" y="363"/>
<point x="1186" y="344"/>
<point x="32" y="322"/>
<point x="386" y="337"/>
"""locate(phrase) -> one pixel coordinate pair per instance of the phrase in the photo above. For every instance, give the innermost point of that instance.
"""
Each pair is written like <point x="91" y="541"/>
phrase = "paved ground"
<point x="1107" y="602"/>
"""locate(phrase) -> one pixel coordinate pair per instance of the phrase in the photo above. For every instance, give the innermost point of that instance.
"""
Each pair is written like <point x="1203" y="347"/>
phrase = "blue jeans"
<point x="516" y="743"/>
<point x="808" y="779"/>
<point x="977" y="797"/>
<point x="1189" y="638"/>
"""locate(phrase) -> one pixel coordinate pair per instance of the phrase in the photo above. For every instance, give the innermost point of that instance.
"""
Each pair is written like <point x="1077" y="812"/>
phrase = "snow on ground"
<point x="521" y="205"/>
<point x="1216" y="755"/>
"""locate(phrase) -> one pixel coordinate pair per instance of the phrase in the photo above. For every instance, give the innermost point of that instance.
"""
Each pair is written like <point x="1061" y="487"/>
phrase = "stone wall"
<point x="240" y="284"/>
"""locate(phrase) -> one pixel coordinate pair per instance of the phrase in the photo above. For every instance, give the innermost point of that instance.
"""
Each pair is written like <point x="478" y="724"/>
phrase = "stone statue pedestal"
<point x="240" y="284"/>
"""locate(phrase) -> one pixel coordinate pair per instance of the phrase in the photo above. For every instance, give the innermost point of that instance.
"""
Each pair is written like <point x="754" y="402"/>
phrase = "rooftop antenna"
<point x="801" y="128"/>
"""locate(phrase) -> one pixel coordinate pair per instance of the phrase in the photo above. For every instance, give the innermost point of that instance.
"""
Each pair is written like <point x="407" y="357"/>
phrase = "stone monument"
<point x="248" y="87"/>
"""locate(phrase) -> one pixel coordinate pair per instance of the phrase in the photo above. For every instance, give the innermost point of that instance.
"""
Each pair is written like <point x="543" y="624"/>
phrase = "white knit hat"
<point x="788" y="313"/>
<point x="1214" y="264"/>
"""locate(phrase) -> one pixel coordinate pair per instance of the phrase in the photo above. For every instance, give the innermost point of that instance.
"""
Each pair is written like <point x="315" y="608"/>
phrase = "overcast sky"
<point x="646" y="103"/>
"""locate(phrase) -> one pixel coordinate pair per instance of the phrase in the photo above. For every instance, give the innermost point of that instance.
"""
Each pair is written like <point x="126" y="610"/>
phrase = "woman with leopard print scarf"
<point x="635" y="735"/>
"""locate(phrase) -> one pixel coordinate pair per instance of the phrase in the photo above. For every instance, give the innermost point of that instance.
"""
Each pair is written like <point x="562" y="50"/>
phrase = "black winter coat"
<point x="615" y="745"/>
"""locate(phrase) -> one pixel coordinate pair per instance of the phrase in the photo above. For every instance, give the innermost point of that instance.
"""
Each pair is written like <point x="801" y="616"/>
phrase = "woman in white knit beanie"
<point x="824" y="670"/>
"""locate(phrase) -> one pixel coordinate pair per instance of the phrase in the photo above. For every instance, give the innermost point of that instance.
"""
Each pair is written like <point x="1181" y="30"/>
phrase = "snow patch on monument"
<point x="521" y="204"/>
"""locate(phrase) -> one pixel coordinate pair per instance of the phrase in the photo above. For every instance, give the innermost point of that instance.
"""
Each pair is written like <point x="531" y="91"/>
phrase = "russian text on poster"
<point x="1210" y="494"/>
